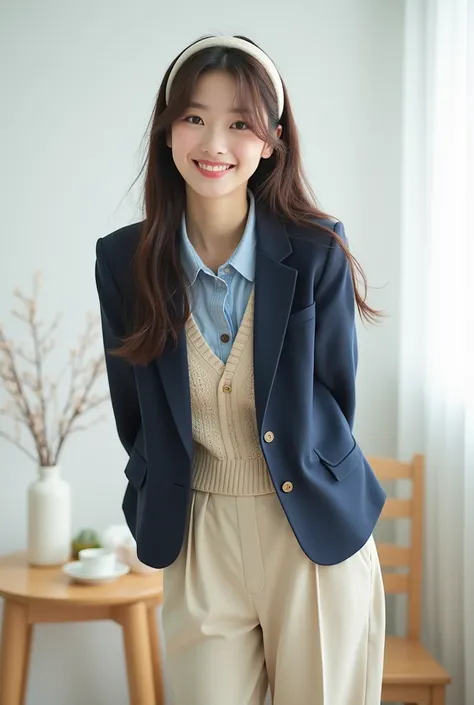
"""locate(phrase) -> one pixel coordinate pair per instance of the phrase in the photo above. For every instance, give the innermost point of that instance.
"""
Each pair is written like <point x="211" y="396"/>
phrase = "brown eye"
<point x="192" y="117"/>
<point x="241" y="123"/>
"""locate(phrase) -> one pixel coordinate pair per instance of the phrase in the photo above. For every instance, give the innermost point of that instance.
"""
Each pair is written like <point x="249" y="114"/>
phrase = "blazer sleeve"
<point x="336" y="350"/>
<point x="120" y="373"/>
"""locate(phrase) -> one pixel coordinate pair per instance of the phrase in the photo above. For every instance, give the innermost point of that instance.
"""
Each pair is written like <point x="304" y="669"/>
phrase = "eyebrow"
<point x="201" y="106"/>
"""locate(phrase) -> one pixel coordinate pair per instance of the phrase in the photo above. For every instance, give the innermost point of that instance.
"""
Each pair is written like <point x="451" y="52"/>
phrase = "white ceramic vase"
<point x="49" y="518"/>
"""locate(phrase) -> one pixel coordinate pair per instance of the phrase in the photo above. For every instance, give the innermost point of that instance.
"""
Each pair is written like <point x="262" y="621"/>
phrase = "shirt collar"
<point x="242" y="259"/>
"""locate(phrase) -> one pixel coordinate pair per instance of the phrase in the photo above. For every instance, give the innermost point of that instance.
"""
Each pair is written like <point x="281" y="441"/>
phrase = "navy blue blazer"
<point x="305" y="360"/>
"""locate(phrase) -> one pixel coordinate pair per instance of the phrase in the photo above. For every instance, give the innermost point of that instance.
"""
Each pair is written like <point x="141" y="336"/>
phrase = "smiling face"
<point x="213" y="148"/>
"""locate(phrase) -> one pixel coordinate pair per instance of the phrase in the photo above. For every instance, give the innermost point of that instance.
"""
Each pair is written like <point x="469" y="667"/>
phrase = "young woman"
<point x="228" y="319"/>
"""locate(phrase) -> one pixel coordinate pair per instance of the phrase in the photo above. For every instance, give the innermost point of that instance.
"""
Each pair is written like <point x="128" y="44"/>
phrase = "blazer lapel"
<point x="274" y="289"/>
<point x="173" y="369"/>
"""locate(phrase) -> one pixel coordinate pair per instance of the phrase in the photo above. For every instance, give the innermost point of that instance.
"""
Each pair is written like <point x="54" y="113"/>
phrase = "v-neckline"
<point x="243" y="334"/>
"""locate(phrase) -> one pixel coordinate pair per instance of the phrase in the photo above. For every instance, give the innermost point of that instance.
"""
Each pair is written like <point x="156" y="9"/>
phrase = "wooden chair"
<point x="411" y="674"/>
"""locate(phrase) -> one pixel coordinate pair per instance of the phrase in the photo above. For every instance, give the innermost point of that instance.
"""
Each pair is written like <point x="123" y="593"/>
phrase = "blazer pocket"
<point x="306" y="314"/>
<point x="136" y="469"/>
<point x="342" y="468"/>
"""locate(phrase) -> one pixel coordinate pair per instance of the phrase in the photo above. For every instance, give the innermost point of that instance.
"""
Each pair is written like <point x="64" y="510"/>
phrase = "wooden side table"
<point x="35" y="595"/>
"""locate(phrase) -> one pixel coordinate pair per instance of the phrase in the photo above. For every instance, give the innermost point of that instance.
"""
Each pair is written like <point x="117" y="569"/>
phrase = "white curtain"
<point x="436" y="409"/>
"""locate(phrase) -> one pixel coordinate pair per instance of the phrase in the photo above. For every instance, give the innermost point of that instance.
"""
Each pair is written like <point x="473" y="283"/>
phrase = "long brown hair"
<point x="279" y="183"/>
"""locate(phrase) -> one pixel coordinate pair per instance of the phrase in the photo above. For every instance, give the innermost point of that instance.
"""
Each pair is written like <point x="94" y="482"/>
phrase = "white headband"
<point x="233" y="43"/>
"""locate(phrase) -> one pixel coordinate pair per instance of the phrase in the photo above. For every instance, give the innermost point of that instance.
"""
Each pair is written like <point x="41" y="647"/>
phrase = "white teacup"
<point x="97" y="561"/>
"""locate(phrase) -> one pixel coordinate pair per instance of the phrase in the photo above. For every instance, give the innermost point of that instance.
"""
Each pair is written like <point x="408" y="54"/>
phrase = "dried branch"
<point x="83" y="405"/>
<point x="17" y="391"/>
<point x="20" y="385"/>
<point x="77" y="428"/>
<point x="18" y="445"/>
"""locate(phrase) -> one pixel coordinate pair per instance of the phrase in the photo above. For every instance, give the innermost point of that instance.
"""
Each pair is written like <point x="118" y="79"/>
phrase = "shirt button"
<point x="225" y="338"/>
<point x="227" y="270"/>
<point x="287" y="487"/>
<point x="227" y="388"/>
<point x="269" y="436"/>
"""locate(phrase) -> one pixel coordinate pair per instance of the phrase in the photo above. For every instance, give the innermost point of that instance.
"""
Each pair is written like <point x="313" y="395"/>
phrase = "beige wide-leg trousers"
<point x="245" y="608"/>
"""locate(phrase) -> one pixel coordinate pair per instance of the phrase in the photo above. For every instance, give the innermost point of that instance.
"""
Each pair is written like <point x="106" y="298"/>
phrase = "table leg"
<point x="438" y="695"/>
<point x="134" y="620"/>
<point x="14" y="653"/>
<point x="156" y="656"/>
<point x="26" y="664"/>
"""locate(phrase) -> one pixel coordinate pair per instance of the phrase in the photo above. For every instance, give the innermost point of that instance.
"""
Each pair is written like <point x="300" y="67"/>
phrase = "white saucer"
<point x="74" y="570"/>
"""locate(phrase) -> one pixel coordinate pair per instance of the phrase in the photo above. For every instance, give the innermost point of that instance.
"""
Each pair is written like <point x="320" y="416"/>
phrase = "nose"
<point x="214" y="141"/>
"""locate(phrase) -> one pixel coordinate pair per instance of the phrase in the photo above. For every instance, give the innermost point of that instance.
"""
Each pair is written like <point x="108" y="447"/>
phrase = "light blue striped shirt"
<point x="218" y="301"/>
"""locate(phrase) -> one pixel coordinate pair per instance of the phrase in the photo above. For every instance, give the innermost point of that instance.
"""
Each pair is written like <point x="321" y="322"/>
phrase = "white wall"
<point x="79" y="82"/>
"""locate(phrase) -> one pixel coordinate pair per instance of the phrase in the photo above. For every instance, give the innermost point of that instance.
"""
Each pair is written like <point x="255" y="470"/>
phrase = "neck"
<point x="216" y="225"/>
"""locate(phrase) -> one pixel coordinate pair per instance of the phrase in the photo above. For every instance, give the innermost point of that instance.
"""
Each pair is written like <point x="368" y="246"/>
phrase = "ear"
<point x="268" y="150"/>
<point x="168" y="139"/>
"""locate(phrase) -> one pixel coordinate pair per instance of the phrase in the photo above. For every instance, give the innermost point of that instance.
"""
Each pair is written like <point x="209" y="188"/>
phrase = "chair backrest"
<point x="392" y="555"/>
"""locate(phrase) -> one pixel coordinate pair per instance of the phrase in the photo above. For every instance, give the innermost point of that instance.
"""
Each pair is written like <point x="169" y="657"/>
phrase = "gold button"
<point x="227" y="388"/>
<point x="269" y="436"/>
<point x="287" y="487"/>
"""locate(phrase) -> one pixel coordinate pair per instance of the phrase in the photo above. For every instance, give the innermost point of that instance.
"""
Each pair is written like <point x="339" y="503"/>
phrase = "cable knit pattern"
<point x="228" y="458"/>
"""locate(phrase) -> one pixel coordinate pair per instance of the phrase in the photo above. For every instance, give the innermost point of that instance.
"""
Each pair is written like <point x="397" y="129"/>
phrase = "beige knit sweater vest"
<point x="228" y="458"/>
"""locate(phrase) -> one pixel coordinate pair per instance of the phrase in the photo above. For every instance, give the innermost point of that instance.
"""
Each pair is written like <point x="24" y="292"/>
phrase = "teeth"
<point x="213" y="168"/>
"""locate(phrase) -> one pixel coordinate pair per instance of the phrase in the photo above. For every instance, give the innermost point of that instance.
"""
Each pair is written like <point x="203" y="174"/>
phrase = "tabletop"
<point x="24" y="582"/>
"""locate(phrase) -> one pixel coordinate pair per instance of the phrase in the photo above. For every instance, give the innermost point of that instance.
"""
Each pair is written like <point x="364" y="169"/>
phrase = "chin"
<point x="212" y="189"/>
